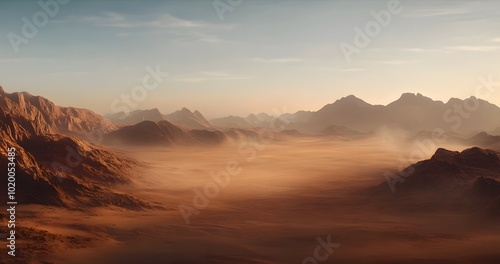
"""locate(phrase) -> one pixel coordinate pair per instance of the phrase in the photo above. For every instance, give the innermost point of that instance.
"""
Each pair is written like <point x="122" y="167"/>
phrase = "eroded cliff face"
<point x="55" y="169"/>
<point x="41" y="116"/>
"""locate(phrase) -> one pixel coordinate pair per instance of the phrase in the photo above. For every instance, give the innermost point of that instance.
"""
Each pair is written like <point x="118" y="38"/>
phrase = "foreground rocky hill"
<point x="466" y="181"/>
<point x="36" y="115"/>
<point x="54" y="169"/>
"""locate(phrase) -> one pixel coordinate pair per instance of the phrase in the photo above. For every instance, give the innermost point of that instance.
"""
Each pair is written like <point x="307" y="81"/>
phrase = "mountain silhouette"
<point x="136" y="116"/>
<point x="193" y="120"/>
<point x="231" y="122"/>
<point x="486" y="140"/>
<point x="412" y="112"/>
<point x="161" y="133"/>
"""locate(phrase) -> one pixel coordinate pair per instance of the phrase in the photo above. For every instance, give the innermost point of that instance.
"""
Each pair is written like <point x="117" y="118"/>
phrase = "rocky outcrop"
<point x="57" y="170"/>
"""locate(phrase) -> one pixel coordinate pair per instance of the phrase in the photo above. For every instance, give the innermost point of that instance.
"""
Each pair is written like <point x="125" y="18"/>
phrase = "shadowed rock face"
<point x="58" y="170"/>
<point x="484" y="196"/>
<point x="162" y="133"/>
<point x="467" y="179"/>
<point x="451" y="169"/>
<point x="486" y="187"/>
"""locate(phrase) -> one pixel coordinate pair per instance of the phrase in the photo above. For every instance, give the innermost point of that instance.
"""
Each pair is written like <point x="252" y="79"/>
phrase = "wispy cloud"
<point x="412" y="50"/>
<point x="276" y="60"/>
<point x="421" y="50"/>
<point x="198" y="36"/>
<point x="67" y="73"/>
<point x="422" y="13"/>
<point x="25" y="60"/>
<point x="117" y="20"/>
<point x="124" y="34"/>
<point x="10" y="60"/>
<point x="342" y="70"/>
<point x="446" y="49"/>
<point x="473" y="48"/>
<point x="209" y="76"/>
<point x="397" y="62"/>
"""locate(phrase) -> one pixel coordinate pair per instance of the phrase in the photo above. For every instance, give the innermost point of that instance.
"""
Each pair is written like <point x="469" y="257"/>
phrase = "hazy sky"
<point x="262" y="55"/>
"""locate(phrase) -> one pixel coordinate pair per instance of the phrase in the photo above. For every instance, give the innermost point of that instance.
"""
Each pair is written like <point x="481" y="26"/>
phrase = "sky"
<point x="235" y="57"/>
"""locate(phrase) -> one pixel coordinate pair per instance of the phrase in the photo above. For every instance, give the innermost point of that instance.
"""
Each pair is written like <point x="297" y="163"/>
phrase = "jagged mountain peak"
<point x="350" y="99"/>
<point x="186" y="110"/>
<point x="187" y="118"/>
<point x="414" y="98"/>
<point x="252" y="116"/>
<point x="35" y="114"/>
<point x="183" y="112"/>
<point x="412" y="95"/>
<point x="444" y="154"/>
<point x="468" y="155"/>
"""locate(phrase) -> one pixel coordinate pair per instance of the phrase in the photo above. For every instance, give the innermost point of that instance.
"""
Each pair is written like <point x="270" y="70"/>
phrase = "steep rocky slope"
<point x="53" y="169"/>
<point x="37" y="115"/>
<point x="466" y="181"/>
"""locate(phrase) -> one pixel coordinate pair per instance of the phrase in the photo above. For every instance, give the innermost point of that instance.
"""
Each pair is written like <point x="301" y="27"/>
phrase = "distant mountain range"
<point x="45" y="135"/>
<point x="183" y="117"/>
<point x="136" y="116"/>
<point x="262" y="120"/>
<point x="346" y="117"/>
<point x="349" y="115"/>
<point x="481" y="139"/>
<point x="495" y="132"/>
<point x="162" y="133"/>
<point x="411" y="112"/>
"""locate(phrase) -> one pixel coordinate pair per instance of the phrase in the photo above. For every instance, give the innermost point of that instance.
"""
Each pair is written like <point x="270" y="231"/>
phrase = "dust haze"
<point x="280" y="197"/>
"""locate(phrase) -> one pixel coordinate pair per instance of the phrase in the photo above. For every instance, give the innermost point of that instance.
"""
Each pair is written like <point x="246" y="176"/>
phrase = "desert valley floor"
<point x="290" y="192"/>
